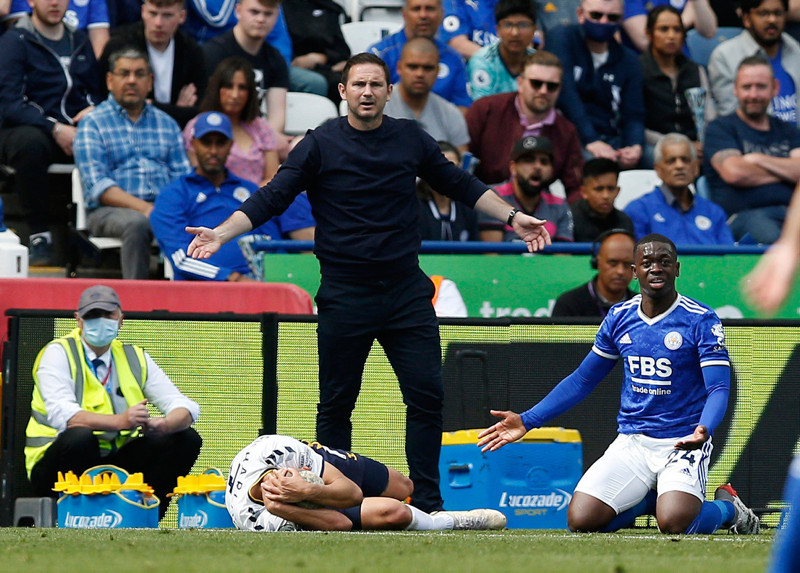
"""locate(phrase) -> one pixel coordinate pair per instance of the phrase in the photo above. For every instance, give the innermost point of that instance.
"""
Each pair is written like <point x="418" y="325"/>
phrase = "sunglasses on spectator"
<point x="552" y="87"/>
<point x="599" y="16"/>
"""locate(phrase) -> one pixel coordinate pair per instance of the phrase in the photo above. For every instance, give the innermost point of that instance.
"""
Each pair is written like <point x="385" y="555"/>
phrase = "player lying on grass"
<point x="674" y="393"/>
<point x="266" y="492"/>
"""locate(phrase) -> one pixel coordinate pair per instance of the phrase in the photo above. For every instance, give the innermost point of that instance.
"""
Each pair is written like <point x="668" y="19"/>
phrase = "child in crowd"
<point x="594" y="213"/>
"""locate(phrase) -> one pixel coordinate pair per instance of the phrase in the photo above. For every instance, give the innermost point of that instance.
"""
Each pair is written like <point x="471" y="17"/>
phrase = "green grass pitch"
<point x="203" y="551"/>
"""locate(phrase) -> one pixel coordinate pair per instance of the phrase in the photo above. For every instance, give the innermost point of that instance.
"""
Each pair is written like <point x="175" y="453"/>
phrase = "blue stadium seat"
<point x="700" y="48"/>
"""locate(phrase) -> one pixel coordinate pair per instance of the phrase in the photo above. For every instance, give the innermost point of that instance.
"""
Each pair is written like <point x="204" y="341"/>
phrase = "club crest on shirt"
<point x="719" y="332"/>
<point x="673" y="340"/>
<point x="702" y="222"/>
<point x="241" y="194"/>
<point x="451" y="23"/>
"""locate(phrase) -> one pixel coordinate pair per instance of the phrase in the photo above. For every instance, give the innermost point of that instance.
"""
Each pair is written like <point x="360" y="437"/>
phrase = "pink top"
<point x="247" y="165"/>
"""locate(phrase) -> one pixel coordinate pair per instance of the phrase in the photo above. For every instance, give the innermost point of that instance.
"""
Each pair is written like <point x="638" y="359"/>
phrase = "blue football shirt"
<point x="663" y="391"/>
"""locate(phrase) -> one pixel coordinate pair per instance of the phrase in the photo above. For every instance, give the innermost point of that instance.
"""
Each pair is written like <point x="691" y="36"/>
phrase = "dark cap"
<point x="531" y="144"/>
<point x="98" y="297"/>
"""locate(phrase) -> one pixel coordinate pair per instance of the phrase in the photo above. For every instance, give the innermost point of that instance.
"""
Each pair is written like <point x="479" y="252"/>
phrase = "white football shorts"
<point x="634" y="464"/>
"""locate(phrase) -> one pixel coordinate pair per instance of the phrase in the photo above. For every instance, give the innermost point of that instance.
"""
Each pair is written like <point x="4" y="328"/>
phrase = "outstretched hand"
<point x="205" y="243"/>
<point x="768" y="284"/>
<point x="699" y="437"/>
<point x="532" y="231"/>
<point x="509" y="429"/>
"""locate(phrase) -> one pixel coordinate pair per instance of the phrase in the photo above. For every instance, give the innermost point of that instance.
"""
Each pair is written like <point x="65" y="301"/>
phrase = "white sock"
<point x="46" y="234"/>
<point x="421" y="521"/>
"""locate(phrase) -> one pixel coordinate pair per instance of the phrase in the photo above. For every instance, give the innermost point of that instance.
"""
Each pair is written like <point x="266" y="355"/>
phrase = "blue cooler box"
<point x="531" y="481"/>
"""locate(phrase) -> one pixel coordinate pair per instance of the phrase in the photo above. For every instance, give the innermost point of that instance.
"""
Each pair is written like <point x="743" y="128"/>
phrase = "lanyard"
<point x="105" y="378"/>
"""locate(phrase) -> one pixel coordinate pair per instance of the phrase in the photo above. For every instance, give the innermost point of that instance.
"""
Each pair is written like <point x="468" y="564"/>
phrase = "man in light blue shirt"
<point x="671" y="209"/>
<point x="126" y="151"/>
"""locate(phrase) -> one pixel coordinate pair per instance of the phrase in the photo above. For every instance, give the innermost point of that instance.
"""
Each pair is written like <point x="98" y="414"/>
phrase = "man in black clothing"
<point x="612" y="256"/>
<point x="360" y="173"/>
<point x="179" y="73"/>
<point x="595" y="213"/>
<point x="317" y="40"/>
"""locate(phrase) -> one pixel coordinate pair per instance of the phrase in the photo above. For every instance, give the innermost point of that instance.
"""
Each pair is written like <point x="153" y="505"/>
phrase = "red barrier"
<point x="178" y="296"/>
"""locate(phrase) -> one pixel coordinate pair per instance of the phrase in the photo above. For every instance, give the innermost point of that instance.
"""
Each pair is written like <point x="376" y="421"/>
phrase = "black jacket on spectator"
<point x="584" y="301"/>
<point x="666" y="110"/>
<point x="35" y="89"/>
<point x="315" y="26"/>
<point x="587" y="224"/>
<point x="189" y="67"/>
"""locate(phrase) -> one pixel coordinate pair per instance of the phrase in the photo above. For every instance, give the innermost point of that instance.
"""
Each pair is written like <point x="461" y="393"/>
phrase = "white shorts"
<point x="634" y="464"/>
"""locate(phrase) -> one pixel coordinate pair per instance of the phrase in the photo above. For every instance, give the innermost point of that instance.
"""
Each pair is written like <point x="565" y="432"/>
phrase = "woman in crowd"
<point x="667" y="74"/>
<point x="232" y="91"/>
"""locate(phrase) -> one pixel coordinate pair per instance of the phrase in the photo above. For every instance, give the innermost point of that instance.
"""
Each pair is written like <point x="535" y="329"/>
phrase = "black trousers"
<point x="398" y="313"/>
<point x="30" y="151"/>
<point x="161" y="460"/>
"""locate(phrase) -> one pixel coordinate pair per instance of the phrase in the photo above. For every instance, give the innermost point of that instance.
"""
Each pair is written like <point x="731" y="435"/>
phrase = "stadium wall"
<point x="254" y="373"/>
<point x="527" y="286"/>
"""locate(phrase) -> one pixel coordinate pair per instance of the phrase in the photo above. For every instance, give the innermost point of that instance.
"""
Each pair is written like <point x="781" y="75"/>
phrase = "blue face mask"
<point x="599" y="32"/>
<point x="100" y="331"/>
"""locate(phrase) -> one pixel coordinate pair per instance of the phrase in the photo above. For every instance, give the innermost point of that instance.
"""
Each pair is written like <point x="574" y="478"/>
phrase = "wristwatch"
<point x="511" y="216"/>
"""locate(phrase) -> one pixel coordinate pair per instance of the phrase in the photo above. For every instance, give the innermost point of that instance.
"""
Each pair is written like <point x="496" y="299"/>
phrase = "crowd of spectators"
<point x="548" y="102"/>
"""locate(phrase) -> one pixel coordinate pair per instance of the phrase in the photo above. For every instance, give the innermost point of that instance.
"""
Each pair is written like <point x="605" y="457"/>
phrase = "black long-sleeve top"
<point x="361" y="185"/>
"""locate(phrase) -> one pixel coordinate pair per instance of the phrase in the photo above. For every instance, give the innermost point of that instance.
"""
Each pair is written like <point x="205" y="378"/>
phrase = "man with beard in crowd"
<point x="531" y="167"/>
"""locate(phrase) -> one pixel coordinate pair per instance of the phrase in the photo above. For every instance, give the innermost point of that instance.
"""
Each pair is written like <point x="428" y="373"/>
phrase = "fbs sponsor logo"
<point x="556" y="499"/>
<point x="108" y="519"/>
<point x="199" y="519"/>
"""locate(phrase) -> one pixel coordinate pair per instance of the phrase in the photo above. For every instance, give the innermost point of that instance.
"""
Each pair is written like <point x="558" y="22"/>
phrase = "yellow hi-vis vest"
<point x="131" y="369"/>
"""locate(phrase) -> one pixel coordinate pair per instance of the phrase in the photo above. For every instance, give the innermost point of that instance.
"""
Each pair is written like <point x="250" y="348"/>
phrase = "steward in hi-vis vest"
<point x="90" y="406"/>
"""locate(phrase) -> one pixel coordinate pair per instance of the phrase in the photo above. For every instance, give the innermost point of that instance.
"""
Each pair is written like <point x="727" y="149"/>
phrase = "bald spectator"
<point x="422" y="18"/>
<point x="494" y="68"/>
<point x="413" y="98"/>
<point x="497" y="122"/>
<point x="602" y="91"/>
<point x="612" y="257"/>
<point x="764" y="22"/>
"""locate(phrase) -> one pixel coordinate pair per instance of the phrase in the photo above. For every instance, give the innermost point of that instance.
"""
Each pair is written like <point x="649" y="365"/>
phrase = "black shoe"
<point x="40" y="252"/>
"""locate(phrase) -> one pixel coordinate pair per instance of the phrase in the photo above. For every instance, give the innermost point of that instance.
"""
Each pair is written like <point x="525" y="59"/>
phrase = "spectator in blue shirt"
<point x="422" y="18"/>
<point x="126" y="151"/>
<point x="469" y="26"/>
<point x="602" y="89"/>
<point x="208" y="196"/>
<point x="696" y="14"/>
<point x="671" y="209"/>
